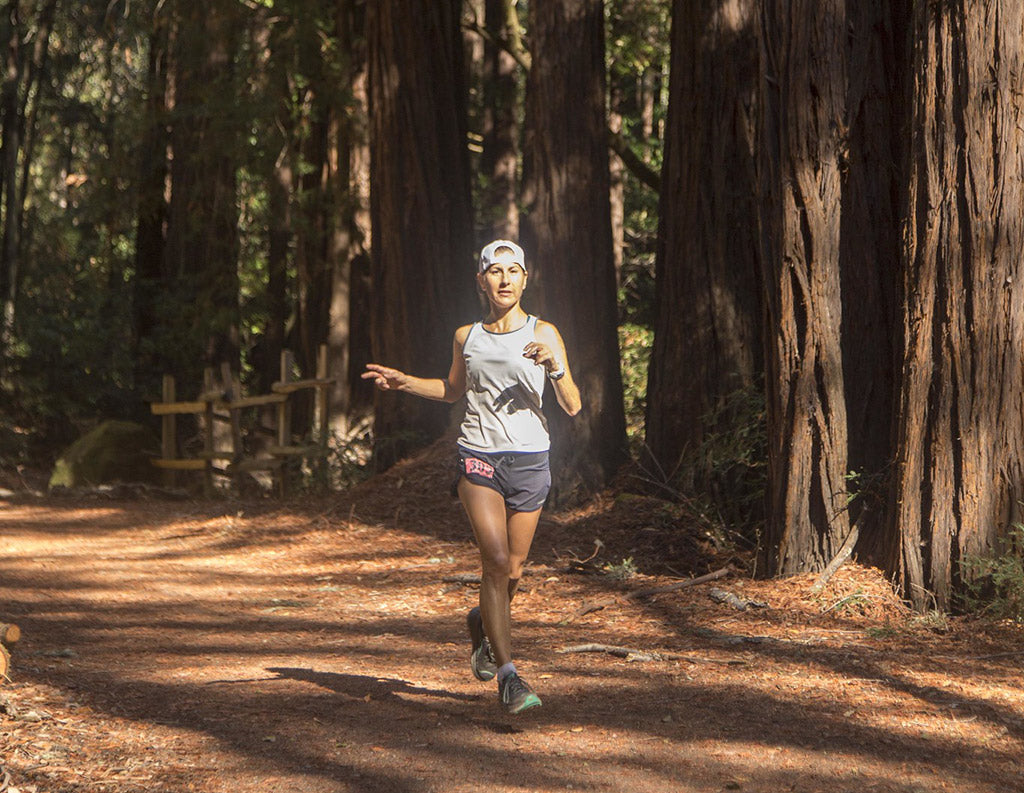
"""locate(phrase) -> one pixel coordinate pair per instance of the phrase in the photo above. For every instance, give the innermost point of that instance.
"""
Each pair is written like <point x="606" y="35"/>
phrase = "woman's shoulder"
<point x="462" y="333"/>
<point x="545" y="329"/>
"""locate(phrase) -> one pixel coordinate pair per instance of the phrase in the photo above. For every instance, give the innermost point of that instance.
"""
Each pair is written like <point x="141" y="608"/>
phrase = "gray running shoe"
<point x="481" y="660"/>
<point x="516" y="695"/>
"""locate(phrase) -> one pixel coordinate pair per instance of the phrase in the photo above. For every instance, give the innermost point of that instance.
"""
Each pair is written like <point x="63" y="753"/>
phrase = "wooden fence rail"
<point x="224" y="401"/>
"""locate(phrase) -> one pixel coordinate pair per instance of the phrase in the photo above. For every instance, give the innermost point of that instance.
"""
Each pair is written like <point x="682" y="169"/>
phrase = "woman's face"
<point x="503" y="284"/>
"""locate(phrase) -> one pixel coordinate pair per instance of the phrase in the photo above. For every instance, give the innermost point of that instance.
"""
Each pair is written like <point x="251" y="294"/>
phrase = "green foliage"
<point x="730" y="468"/>
<point x="348" y="459"/>
<point x="994" y="585"/>
<point x="621" y="571"/>
<point x="635" y="343"/>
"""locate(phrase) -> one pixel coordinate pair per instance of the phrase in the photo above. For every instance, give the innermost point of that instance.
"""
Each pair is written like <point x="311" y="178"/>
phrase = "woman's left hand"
<point x="542" y="356"/>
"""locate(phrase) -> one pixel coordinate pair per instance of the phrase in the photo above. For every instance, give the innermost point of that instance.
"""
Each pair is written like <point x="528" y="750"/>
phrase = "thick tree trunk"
<point x="707" y="342"/>
<point x="360" y="290"/>
<point x="870" y="259"/>
<point x="148" y="283"/>
<point x="567" y="234"/>
<point x="420" y="206"/>
<point x="960" y="426"/>
<point x="202" y="238"/>
<point x="803" y="152"/>
<point x="500" y="157"/>
<point x="348" y="403"/>
<point x="10" y="143"/>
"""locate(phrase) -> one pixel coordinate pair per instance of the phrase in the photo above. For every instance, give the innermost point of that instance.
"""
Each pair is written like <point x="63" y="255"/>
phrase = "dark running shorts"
<point x="522" y="478"/>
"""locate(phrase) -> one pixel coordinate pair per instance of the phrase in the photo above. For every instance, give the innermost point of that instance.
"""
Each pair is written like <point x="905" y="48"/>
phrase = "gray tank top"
<point x="503" y="392"/>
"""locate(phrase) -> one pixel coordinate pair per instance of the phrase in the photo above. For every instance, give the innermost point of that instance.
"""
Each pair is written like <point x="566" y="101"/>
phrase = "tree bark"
<point x="500" y="156"/>
<point x="960" y="425"/>
<point x="349" y="401"/>
<point x="201" y="254"/>
<point x="10" y="143"/>
<point x="803" y="151"/>
<point x="707" y="342"/>
<point x="148" y="283"/>
<point x="870" y="259"/>
<point x="567" y="235"/>
<point x="420" y="207"/>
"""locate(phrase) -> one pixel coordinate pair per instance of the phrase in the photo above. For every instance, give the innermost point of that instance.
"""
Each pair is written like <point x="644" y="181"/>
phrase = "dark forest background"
<point x="781" y="238"/>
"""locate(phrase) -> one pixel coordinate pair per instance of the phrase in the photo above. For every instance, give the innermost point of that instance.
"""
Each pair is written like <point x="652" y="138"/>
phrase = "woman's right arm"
<point x="448" y="389"/>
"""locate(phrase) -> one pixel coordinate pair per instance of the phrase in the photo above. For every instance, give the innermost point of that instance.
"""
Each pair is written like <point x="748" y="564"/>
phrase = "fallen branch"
<point x="462" y="578"/>
<point x="9" y="634"/>
<point x="587" y="608"/>
<point x="645" y="655"/>
<point x="840" y="559"/>
<point x="738" y="603"/>
<point x="623" y="652"/>
<point x="702" y="579"/>
<point x="474" y="578"/>
<point x="991" y="657"/>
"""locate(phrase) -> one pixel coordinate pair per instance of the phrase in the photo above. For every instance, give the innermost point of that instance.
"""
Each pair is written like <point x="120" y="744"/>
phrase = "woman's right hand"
<point x="385" y="378"/>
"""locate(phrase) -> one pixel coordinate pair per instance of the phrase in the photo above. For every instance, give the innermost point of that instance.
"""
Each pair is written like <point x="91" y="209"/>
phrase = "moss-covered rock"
<point x="115" y="451"/>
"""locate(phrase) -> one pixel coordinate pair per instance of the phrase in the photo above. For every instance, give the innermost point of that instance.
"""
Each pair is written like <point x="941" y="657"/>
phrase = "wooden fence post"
<point x="323" y="414"/>
<point x="208" y="434"/>
<point x="168" y="432"/>
<point x="284" y="422"/>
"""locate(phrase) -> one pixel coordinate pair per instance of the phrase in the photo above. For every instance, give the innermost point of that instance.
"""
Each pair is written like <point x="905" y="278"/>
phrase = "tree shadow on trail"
<point x="363" y="686"/>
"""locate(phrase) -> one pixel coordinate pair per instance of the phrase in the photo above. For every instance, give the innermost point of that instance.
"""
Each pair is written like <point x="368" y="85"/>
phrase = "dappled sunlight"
<point x="297" y="650"/>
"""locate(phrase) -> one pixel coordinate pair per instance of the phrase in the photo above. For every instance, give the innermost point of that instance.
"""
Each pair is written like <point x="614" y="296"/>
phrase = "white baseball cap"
<point x="489" y="255"/>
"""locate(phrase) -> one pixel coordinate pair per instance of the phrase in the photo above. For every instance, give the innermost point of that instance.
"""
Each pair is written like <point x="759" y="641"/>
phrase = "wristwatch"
<point x="557" y="375"/>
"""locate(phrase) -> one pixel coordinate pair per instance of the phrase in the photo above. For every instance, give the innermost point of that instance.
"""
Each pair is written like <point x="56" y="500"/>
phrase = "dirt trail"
<point x="306" y="647"/>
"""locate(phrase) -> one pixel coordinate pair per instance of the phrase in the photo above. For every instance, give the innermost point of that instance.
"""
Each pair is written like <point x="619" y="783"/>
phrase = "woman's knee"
<point x="515" y="566"/>
<point x="497" y="564"/>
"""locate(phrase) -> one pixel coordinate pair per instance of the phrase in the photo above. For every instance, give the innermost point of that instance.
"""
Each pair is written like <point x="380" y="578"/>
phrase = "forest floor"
<point x="314" y="645"/>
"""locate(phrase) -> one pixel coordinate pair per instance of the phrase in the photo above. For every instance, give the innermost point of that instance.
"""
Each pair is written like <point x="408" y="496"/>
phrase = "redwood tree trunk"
<point x="870" y="259"/>
<point x="420" y="206"/>
<point x="148" y="283"/>
<point x="567" y="234"/>
<point x="348" y="317"/>
<point x="10" y="143"/>
<point x="707" y="342"/>
<point x="960" y="426"/>
<point x="802" y="156"/>
<point x="202" y="237"/>
<point x="500" y="157"/>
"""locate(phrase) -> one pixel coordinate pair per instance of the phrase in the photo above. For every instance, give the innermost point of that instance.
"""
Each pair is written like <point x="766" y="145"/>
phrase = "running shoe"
<point x="516" y="695"/>
<point x="481" y="660"/>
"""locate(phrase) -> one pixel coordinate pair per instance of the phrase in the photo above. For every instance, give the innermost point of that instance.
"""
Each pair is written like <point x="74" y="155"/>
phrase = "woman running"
<point x="500" y="365"/>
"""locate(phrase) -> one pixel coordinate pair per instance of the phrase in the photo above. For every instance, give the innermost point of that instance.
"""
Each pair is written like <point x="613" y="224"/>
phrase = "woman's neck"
<point x="505" y="320"/>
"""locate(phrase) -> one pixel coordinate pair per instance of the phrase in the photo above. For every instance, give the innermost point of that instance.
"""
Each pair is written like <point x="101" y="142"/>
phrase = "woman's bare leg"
<point x="504" y="538"/>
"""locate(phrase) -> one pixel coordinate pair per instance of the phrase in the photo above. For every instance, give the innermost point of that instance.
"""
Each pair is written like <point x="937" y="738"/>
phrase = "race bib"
<point x="479" y="467"/>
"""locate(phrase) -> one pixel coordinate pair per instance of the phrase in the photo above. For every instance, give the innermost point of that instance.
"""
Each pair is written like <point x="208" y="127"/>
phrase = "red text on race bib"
<point x="479" y="467"/>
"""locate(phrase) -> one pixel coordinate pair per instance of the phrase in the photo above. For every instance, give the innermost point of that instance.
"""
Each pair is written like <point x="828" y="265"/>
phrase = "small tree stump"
<point x="9" y="634"/>
<point x="5" y="663"/>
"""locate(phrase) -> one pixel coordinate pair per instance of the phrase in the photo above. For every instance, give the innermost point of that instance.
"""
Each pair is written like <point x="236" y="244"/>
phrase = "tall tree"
<point x="870" y="258"/>
<point x="10" y="145"/>
<point x="320" y="90"/>
<point x="707" y="342"/>
<point x="960" y="422"/>
<point x="347" y="339"/>
<point x="500" y="156"/>
<point x="201" y="255"/>
<point x="25" y="56"/>
<point x="802" y="156"/>
<point x="420" y="205"/>
<point x="567" y="233"/>
<point x="148" y="283"/>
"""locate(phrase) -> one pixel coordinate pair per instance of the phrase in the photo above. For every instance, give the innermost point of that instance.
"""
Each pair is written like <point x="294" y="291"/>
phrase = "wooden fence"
<point x="224" y="402"/>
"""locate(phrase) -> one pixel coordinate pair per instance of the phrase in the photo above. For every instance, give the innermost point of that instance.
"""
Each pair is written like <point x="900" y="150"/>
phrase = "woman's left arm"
<point x="549" y="351"/>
